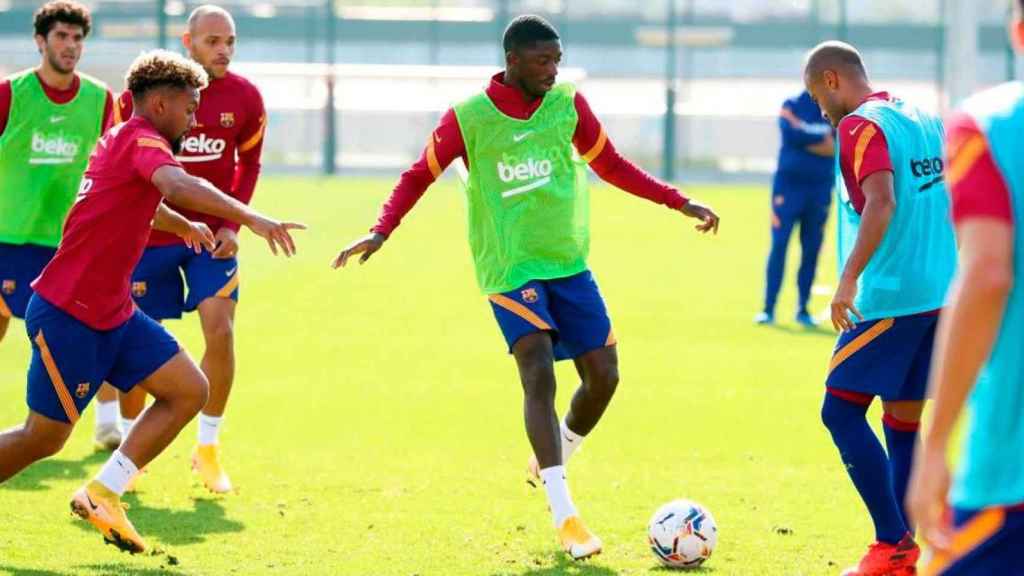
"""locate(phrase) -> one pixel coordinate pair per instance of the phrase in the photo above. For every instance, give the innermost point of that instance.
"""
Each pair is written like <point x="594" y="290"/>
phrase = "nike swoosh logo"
<point x="859" y="126"/>
<point x="520" y="137"/>
<point x="567" y="439"/>
<point x="91" y="503"/>
<point x="231" y="272"/>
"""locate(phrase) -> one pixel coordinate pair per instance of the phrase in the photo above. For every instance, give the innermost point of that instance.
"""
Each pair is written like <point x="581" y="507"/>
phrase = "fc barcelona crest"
<point x="227" y="119"/>
<point x="529" y="295"/>
<point x="9" y="286"/>
<point x="138" y="289"/>
<point x="83" y="390"/>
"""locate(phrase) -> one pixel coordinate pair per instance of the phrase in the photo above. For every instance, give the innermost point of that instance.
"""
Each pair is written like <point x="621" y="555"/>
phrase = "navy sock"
<point x="866" y="463"/>
<point x="900" y="439"/>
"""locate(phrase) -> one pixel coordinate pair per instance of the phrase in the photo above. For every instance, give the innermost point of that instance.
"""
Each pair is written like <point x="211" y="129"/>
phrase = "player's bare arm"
<point x="195" y="234"/>
<point x="966" y="334"/>
<point x="880" y="203"/>
<point x="182" y="189"/>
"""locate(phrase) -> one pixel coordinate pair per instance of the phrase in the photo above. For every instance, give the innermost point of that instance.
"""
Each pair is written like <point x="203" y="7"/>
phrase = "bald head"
<point x="210" y="39"/>
<point x="839" y="57"/>
<point x="208" y="11"/>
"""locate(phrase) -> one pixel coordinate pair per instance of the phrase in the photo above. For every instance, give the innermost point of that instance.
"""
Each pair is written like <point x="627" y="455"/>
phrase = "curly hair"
<point x="65" y="11"/>
<point x="159" y="68"/>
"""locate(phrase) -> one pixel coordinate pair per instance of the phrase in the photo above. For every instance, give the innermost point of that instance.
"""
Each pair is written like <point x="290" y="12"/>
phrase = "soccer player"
<point x="224" y="147"/>
<point x="897" y="256"/>
<point x="801" y="194"/>
<point x="50" y="119"/>
<point x="82" y="322"/>
<point x="529" y="235"/>
<point x="978" y="348"/>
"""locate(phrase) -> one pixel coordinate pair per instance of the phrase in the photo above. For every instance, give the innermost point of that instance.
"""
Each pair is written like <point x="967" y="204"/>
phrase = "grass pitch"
<point x="376" y="428"/>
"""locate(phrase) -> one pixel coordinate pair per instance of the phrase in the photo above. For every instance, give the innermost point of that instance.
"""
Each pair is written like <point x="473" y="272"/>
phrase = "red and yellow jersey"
<point x="224" y="147"/>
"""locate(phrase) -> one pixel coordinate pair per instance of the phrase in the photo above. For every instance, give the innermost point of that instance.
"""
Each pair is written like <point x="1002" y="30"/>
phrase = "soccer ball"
<point x="682" y="534"/>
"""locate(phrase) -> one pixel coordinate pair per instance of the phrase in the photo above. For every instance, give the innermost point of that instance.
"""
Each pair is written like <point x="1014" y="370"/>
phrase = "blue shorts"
<point x="71" y="360"/>
<point x="989" y="543"/>
<point x="159" y="289"/>
<point x="889" y="358"/>
<point x="570" y="309"/>
<point x="19" y="266"/>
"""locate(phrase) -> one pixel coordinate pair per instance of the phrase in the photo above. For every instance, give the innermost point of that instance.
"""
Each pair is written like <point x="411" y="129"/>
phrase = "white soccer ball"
<point x="682" y="534"/>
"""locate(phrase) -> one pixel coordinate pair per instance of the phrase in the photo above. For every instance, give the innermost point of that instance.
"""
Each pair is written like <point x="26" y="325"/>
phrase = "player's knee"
<point x="838" y="413"/>
<point x="45" y="441"/>
<point x="220" y="335"/>
<point x="192" y="395"/>
<point x="604" y="380"/>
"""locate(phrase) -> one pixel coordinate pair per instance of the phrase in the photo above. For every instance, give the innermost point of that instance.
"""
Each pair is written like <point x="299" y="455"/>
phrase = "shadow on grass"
<point x="92" y="569"/>
<point x="560" y="564"/>
<point x="37" y="476"/>
<point x="178" y="527"/>
<point x="803" y="331"/>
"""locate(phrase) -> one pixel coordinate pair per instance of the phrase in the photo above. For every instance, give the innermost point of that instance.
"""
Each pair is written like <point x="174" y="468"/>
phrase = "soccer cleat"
<point x="764" y="318"/>
<point x="206" y="463"/>
<point x="107" y="437"/>
<point x="105" y="511"/>
<point x="884" y="559"/>
<point x="576" y="540"/>
<point x="806" y="320"/>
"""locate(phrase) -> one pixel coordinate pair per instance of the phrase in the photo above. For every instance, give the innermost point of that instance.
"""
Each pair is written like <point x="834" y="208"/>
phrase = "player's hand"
<point x="275" y="233"/>
<point x="707" y="216"/>
<point x="198" y="236"/>
<point x="842" y="306"/>
<point x="227" y="244"/>
<point x="926" y="497"/>
<point x="367" y="246"/>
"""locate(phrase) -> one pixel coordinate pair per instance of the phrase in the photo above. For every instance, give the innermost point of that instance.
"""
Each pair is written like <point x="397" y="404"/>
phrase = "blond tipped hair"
<point x="162" y="68"/>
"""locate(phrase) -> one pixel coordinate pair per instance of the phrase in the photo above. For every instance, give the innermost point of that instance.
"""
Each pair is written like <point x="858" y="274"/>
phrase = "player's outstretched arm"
<point x="967" y="332"/>
<point x="367" y="246"/>
<point x="182" y="189"/>
<point x="195" y="234"/>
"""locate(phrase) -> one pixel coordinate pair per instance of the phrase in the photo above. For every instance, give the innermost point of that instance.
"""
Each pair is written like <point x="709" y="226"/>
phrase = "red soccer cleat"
<point x="884" y="559"/>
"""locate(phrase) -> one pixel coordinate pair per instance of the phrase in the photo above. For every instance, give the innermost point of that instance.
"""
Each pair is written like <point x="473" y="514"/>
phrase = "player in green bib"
<point x="527" y="141"/>
<point x="50" y="119"/>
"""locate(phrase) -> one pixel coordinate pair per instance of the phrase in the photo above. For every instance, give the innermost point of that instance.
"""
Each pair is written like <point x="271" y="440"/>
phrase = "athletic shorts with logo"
<point x="19" y="266"/>
<point x="889" y="358"/>
<point x="570" y="309"/>
<point x="158" y="282"/>
<point x="985" y="543"/>
<point x="70" y="360"/>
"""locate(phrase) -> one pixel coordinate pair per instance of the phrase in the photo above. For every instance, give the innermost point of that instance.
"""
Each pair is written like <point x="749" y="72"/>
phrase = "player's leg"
<point x="107" y="434"/>
<point x="39" y="437"/>
<point x="812" y="234"/>
<point x="902" y="419"/>
<point x="213" y="286"/>
<point x="782" y="222"/>
<point x="529" y="330"/>
<point x="870" y="360"/>
<point x="4" y="322"/>
<point x="140" y="353"/>
<point x="132" y="403"/>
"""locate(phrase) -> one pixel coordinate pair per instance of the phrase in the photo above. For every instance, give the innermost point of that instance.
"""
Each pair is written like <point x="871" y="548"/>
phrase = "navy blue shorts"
<point x="71" y="360"/>
<point x="19" y="266"/>
<point x="889" y="358"/>
<point x="159" y="288"/>
<point x="570" y="309"/>
<point x="987" y="543"/>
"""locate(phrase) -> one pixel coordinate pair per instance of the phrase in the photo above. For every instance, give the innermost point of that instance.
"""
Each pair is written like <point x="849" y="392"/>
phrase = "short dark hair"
<point x="527" y="30"/>
<point x="160" y="68"/>
<point x="833" y="54"/>
<point x="64" y="11"/>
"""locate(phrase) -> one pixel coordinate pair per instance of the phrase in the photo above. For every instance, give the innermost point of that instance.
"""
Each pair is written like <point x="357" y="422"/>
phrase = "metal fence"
<point x="685" y="87"/>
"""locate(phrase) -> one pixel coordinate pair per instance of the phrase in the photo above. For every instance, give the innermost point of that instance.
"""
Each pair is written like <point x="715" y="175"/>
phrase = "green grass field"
<point x="376" y="427"/>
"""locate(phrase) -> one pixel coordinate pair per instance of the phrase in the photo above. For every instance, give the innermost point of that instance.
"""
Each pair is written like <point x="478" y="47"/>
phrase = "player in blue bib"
<point x="897" y="256"/>
<point x="979" y="349"/>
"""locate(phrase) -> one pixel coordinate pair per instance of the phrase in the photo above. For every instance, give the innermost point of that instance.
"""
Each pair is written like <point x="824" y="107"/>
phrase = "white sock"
<point x="570" y="442"/>
<point x="209" y="427"/>
<point x="558" y="494"/>
<point x="116" y="473"/>
<point x="126" y="425"/>
<point x="106" y="412"/>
